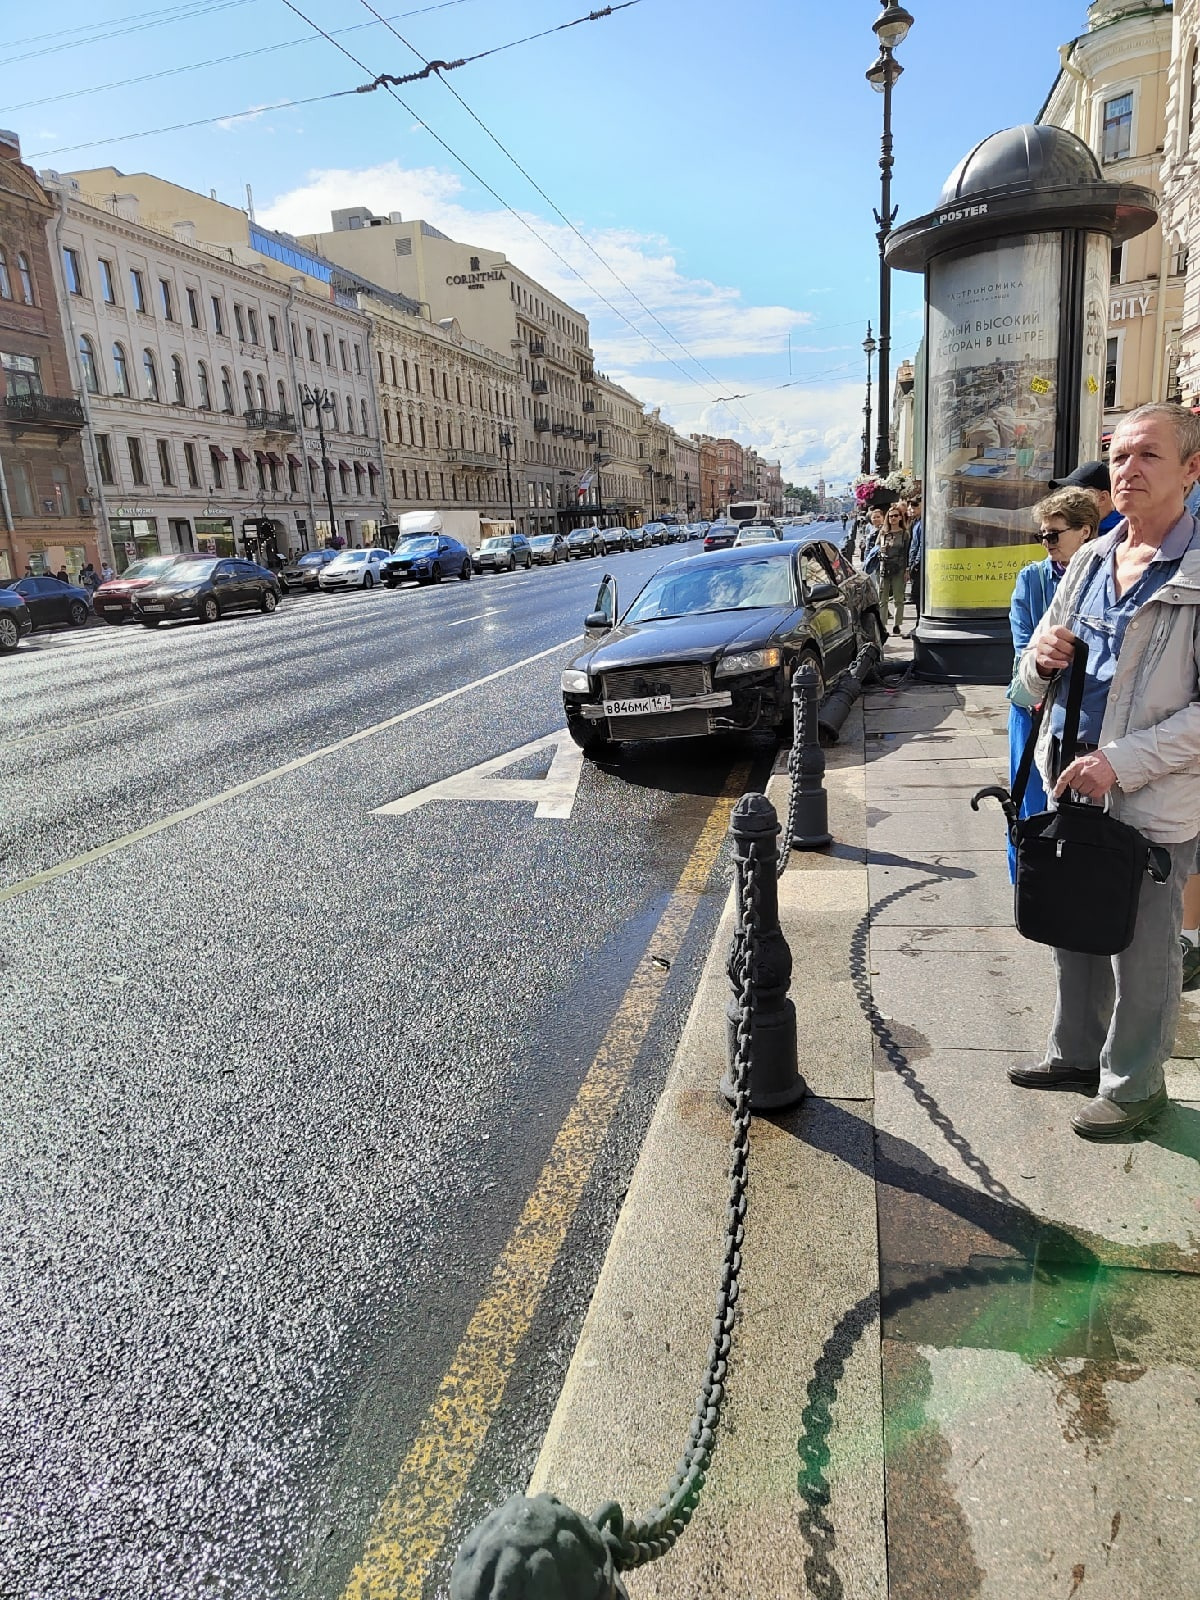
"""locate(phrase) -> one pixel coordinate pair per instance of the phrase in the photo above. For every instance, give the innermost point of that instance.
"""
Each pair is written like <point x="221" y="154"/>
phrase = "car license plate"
<point x="154" y="608"/>
<point x="637" y="708"/>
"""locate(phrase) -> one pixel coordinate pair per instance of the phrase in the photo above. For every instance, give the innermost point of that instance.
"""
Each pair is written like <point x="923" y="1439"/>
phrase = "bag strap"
<point x="1070" y="738"/>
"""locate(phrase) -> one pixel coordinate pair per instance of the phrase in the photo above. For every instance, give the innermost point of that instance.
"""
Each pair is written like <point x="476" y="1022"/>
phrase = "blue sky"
<point x="722" y="157"/>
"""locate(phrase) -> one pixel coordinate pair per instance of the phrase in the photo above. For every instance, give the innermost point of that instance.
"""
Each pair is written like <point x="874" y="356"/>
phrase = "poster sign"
<point x="993" y="381"/>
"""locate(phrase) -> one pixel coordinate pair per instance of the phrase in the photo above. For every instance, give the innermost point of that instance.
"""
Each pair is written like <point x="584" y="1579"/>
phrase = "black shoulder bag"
<point x="1079" y="870"/>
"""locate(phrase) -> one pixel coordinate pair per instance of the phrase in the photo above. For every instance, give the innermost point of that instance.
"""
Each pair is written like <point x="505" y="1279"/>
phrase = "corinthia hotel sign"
<point x="475" y="279"/>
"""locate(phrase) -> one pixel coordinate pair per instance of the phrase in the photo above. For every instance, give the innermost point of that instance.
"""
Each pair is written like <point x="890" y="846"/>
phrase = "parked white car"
<point x="354" y="569"/>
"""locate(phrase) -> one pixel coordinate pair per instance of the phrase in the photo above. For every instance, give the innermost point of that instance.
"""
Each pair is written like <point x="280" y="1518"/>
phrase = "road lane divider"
<point x="99" y="852"/>
<point x="412" y="1525"/>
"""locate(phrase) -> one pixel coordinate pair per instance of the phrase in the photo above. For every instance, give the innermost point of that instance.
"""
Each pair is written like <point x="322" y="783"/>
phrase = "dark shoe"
<point x="1109" y="1119"/>
<point x="1191" y="963"/>
<point x="1050" y="1074"/>
<point x="895" y="633"/>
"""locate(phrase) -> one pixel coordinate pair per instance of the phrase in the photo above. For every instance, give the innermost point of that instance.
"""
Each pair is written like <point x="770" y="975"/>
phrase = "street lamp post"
<point x="891" y="29"/>
<point x="320" y="400"/>
<point x="869" y="351"/>
<point x="506" y="444"/>
<point x="597" y="462"/>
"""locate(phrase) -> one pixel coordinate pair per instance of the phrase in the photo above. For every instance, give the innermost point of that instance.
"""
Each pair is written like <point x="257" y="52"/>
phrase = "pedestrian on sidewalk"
<point x="916" y="551"/>
<point x="1133" y="596"/>
<point x="1066" y="521"/>
<point x="893" y="566"/>
<point x="1095" y="478"/>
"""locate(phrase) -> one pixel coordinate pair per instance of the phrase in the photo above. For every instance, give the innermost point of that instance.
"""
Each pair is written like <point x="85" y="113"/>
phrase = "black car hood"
<point x="701" y="638"/>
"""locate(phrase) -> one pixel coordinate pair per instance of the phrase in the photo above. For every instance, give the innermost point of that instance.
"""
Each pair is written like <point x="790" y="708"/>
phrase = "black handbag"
<point x="1079" y="870"/>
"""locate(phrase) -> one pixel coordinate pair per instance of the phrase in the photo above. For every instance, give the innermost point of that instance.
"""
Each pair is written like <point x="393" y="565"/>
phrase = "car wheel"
<point x="209" y="609"/>
<point x="268" y="601"/>
<point x="436" y="575"/>
<point x="10" y="635"/>
<point x="78" y="614"/>
<point x="153" y="622"/>
<point x="465" y="574"/>
<point x="786" y="730"/>
<point x="368" y="581"/>
<point x="873" y="630"/>
<point x="595" y="743"/>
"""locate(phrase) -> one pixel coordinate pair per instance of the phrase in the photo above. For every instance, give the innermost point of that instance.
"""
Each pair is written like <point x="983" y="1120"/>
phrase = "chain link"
<point x="645" y="1539"/>
<point x="789" y="827"/>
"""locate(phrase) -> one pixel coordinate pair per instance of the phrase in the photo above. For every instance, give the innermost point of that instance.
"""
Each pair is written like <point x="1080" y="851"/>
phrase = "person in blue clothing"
<point x="1066" y="520"/>
<point x="1094" y="477"/>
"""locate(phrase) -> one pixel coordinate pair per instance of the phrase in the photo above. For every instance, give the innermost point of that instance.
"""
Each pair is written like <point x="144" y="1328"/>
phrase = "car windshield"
<point x="496" y="544"/>
<point x="314" y="558"/>
<point x="350" y="557"/>
<point x="686" y="591"/>
<point x="148" y="567"/>
<point x="541" y="541"/>
<point x="192" y="571"/>
<point x="416" y="545"/>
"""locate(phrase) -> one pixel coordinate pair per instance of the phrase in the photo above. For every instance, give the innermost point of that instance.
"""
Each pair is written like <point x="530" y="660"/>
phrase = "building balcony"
<point x="589" y="405"/>
<point x="558" y="428"/>
<point x="539" y="385"/>
<point x="270" y="421"/>
<point x="587" y="375"/>
<point x="472" y="458"/>
<point x="589" y="438"/>
<point x="537" y="347"/>
<point x="44" y="411"/>
<point x="540" y="424"/>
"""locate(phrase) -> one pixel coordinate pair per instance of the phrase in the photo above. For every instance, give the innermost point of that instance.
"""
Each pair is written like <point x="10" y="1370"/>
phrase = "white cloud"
<point x="812" y="428"/>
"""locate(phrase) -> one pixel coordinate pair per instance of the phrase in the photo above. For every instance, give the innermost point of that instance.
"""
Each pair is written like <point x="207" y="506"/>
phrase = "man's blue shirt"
<point x="1100" y="619"/>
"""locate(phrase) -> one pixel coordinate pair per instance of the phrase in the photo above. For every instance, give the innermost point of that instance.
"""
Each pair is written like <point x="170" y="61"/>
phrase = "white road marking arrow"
<point x="553" y="795"/>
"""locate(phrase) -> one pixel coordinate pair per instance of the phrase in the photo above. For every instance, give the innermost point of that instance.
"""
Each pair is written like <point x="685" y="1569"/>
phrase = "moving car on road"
<point x="548" y="549"/>
<point x="505" y="552"/>
<point x="720" y="536"/>
<point x="206" y="587"/>
<point x="15" y="621"/>
<point x="113" y="600"/>
<point x="51" y="601"/>
<point x="427" y="557"/>
<point x="305" y="572"/>
<point x="755" y="533"/>
<point x="354" y="569"/>
<point x="711" y="643"/>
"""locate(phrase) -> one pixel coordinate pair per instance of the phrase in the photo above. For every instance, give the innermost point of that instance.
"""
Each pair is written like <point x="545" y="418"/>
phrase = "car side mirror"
<point x="597" y="622"/>
<point x="819" y="592"/>
<point x="605" y="614"/>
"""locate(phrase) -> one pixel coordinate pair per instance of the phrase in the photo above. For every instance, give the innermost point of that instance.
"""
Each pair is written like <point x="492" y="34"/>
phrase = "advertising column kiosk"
<point x="1016" y="260"/>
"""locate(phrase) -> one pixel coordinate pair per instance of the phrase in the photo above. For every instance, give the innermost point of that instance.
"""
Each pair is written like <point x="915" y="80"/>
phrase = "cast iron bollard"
<point x="760" y="953"/>
<point x="808" y="814"/>
<point x="835" y="707"/>
<point x="537" y="1549"/>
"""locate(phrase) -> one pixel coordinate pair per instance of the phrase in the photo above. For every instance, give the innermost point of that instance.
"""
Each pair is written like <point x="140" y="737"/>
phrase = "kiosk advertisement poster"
<point x="993" y="382"/>
<point x="1096" y="290"/>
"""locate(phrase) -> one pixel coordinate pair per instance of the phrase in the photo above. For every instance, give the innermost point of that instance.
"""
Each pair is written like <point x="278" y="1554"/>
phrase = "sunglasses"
<point x="1049" y="537"/>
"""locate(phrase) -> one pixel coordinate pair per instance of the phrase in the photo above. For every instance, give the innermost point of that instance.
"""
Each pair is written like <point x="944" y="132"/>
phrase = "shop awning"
<point x="345" y="466"/>
<point x="240" y="455"/>
<point x="372" y="469"/>
<point x="295" y="461"/>
<point x="260" y="455"/>
<point x="315" y="461"/>
<point x="271" y="455"/>
<point x="215" y="450"/>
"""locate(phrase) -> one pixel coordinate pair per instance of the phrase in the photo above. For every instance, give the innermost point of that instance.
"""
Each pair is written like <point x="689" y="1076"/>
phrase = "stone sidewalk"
<point x="967" y="1360"/>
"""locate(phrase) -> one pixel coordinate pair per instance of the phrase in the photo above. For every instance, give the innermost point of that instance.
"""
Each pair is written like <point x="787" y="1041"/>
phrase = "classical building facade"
<point x="1112" y="90"/>
<point x="46" y="485"/>
<point x="1181" y="196"/>
<point x="687" y="477"/>
<point x="500" y="308"/>
<point x="618" y="494"/>
<point x="200" y="339"/>
<point x="657" y="464"/>
<point x="447" y="406"/>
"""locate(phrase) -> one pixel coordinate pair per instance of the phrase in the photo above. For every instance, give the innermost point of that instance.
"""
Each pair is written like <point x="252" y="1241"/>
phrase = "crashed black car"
<point x="711" y="643"/>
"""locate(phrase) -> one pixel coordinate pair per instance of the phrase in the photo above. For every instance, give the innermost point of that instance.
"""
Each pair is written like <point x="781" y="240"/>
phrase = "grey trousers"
<point x="1119" y="1012"/>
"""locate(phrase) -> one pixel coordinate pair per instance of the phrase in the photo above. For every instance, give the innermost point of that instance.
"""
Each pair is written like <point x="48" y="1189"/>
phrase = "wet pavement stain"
<point x="930" y="1555"/>
<point x="1087" y="1418"/>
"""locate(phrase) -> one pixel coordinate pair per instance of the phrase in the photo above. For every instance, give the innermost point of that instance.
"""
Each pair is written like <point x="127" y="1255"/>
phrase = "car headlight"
<point x="574" y="682"/>
<point x="749" y="661"/>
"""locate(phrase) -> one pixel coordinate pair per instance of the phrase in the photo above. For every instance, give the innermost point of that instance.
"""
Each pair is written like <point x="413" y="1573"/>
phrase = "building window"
<point x="177" y="385"/>
<point x="252" y="320"/>
<point x="1193" y="91"/>
<point x="334" y="424"/>
<point x="262" y="393"/>
<point x="239" y="470"/>
<point x="281" y="391"/>
<point x="136" y="465"/>
<point x="87" y="365"/>
<point x="168" y="300"/>
<point x="193" y="303"/>
<point x="344" y="478"/>
<point x="214" y="462"/>
<point x="357" y="359"/>
<point x="239" y="323"/>
<point x="202" y="387"/>
<point x="226" y="390"/>
<point x="108" y="287"/>
<point x="218" y="315"/>
<point x="165" y="470"/>
<point x="1116" y="262"/>
<point x="342" y="353"/>
<point x="5" y="280"/>
<point x="293" y="475"/>
<point x="311" y="337"/>
<point x="260" y="468"/>
<point x="150" y="368"/>
<point x="137" y="286"/>
<point x="189" y="461"/>
<point x="366" y="427"/>
<point x="1110" y="374"/>
<point x="26" y="278"/>
<point x="121" y="368"/>
<point x="295" y="339"/>
<point x="1118" y="127"/>
<point x="1179" y="261"/>
<point x="405" y="365"/>
<point x="273" y="331"/>
<point x="349" y="413"/>
<point x="327" y="343"/>
<point x="104" y="459"/>
<point x="247" y="391"/>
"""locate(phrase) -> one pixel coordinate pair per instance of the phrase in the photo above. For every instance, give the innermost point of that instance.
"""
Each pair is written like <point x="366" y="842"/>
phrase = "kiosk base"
<point x="962" y="650"/>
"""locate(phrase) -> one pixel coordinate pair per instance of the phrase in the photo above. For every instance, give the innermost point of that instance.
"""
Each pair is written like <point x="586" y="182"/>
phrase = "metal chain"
<point x="647" y="1538"/>
<point x="861" y="978"/>
<point x="789" y="827"/>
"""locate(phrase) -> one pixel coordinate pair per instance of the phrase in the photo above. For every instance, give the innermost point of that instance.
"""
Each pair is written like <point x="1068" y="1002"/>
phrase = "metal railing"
<point x="51" y="409"/>
<point x="270" y="421"/>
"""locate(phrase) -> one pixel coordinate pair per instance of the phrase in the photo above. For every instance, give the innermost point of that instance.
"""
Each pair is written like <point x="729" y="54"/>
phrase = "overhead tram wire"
<point x="558" y="211"/>
<point x="121" y="32"/>
<point x="198" y="122"/>
<point x="218" y="61"/>
<point x="500" y="200"/>
<point x="175" y="13"/>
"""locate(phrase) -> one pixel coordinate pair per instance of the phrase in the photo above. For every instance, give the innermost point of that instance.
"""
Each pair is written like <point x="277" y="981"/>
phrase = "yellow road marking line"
<point x="413" y="1523"/>
<point x="214" y="800"/>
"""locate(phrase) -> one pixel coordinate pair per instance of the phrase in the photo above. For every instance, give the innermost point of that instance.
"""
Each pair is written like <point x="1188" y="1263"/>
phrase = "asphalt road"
<point x="278" y="1075"/>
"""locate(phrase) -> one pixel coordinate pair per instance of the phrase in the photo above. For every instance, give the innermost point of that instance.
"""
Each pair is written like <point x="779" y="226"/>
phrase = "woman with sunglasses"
<point x="1066" y="520"/>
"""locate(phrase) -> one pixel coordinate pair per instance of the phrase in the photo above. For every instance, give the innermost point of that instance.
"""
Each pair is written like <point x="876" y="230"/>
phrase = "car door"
<point x="829" y="615"/>
<point x="252" y="582"/>
<point x="39" y="596"/>
<point x="226" y="585"/>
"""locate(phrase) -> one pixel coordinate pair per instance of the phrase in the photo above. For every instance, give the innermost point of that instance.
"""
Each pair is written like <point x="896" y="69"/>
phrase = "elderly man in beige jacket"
<point x="1133" y="595"/>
